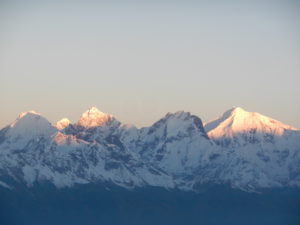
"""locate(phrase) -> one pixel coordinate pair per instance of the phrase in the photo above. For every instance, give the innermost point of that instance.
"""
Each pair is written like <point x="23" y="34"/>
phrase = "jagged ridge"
<point x="246" y="150"/>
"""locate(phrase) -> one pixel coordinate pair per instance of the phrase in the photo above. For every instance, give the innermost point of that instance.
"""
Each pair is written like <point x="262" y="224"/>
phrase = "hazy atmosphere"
<point x="140" y="60"/>
<point x="159" y="65"/>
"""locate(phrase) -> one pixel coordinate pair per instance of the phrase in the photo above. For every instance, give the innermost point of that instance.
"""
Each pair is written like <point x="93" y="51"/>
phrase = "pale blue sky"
<point x="139" y="60"/>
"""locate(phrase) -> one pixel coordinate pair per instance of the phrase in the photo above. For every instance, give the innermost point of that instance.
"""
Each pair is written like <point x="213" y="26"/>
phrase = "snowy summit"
<point x="237" y="120"/>
<point x="63" y="123"/>
<point x="245" y="150"/>
<point x="93" y="117"/>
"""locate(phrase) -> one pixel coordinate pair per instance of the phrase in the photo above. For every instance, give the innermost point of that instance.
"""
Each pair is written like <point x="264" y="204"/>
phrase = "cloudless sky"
<point x="139" y="60"/>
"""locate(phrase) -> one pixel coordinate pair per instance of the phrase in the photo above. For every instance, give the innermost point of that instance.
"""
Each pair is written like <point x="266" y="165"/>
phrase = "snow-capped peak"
<point x="179" y="114"/>
<point x="246" y="150"/>
<point x="237" y="120"/>
<point x="62" y="123"/>
<point x="26" y="116"/>
<point x="93" y="117"/>
<point x="29" y="125"/>
<point x="177" y="124"/>
<point x="234" y="111"/>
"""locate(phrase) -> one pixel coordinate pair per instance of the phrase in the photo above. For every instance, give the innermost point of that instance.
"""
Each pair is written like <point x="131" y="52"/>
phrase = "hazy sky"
<point x="139" y="60"/>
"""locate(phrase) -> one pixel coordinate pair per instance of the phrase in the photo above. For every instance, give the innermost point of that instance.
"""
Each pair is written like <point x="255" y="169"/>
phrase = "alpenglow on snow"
<point x="245" y="150"/>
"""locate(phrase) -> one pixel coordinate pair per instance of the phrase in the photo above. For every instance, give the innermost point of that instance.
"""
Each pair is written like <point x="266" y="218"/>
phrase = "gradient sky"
<point x="139" y="60"/>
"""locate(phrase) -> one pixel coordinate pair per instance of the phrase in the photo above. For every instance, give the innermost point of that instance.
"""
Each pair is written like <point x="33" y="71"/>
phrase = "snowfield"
<point x="246" y="150"/>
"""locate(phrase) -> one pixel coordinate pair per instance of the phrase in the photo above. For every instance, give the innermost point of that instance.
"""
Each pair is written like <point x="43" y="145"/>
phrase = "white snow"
<point x="236" y="121"/>
<point x="260" y="148"/>
<point x="63" y="123"/>
<point x="161" y="155"/>
<point x="28" y="126"/>
<point x="93" y="117"/>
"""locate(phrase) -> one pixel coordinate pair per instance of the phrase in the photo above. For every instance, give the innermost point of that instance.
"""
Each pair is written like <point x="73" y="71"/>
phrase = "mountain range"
<point x="244" y="150"/>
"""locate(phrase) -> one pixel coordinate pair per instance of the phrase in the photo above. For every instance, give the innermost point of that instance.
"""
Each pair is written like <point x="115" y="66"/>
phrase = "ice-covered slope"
<point x="177" y="143"/>
<point x="27" y="127"/>
<point x="94" y="125"/>
<point x="261" y="152"/>
<point x="245" y="150"/>
<point x="34" y="151"/>
<point x="239" y="127"/>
